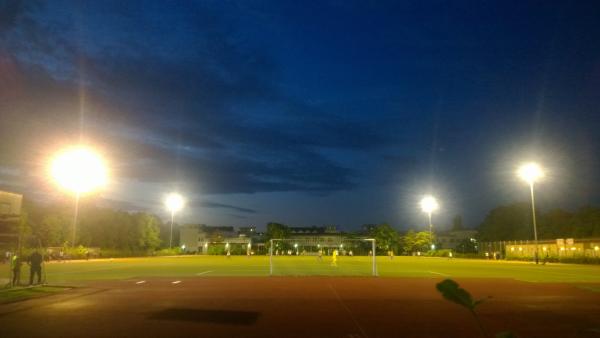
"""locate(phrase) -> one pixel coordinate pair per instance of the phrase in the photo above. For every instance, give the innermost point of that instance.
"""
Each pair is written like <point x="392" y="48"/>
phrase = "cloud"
<point x="209" y="204"/>
<point x="163" y="120"/>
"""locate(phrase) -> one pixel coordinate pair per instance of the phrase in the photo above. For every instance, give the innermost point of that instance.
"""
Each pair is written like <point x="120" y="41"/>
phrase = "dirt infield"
<point x="302" y="307"/>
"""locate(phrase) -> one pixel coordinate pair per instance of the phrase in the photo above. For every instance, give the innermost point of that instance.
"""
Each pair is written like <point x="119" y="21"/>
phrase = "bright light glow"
<point x="429" y="204"/>
<point x="530" y="172"/>
<point x="433" y="247"/>
<point x="174" y="202"/>
<point x="295" y="245"/>
<point x="79" y="170"/>
<point x="596" y="248"/>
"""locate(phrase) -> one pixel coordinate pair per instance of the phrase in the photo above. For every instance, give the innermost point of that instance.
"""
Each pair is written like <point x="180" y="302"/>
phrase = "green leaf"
<point x="452" y="292"/>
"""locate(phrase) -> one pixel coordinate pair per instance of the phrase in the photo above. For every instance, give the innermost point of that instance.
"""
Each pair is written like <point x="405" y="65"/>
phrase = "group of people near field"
<point x="35" y="261"/>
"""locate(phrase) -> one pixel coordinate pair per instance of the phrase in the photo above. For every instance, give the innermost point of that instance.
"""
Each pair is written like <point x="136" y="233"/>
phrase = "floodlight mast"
<point x="530" y="173"/>
<point x="174" y="203"/>
<point x="78" y="170"/>
<point x="428" y="205"/>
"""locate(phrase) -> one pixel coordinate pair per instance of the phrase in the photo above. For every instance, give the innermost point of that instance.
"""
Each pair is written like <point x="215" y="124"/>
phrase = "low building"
<point x="559" y="248"/>
<point x="451" y="239"/>
<point x="325" y="236"/>
<point x="201" y="238"/>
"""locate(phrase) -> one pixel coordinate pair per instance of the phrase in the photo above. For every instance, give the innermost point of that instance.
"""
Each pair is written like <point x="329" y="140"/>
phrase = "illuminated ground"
<point x="220" y="297"/>
<point x="211" y="266"/>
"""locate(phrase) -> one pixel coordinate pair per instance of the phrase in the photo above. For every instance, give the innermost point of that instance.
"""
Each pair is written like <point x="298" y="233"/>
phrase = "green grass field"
<point x="17" y="294"/>
<point x="78" y="272"/>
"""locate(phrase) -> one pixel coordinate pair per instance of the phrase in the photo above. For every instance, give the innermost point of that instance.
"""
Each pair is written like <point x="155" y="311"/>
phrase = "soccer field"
<point x="256" y="266"/>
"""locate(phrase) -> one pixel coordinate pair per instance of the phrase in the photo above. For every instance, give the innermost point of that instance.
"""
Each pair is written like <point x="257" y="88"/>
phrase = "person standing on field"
<point x="35" y="266"/>
<point x="334" y="258"/>
<point x="15" y="266"/>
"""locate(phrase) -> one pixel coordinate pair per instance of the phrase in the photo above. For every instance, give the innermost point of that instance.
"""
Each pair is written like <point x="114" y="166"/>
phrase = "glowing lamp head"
<point x="174" y="202"/>
<point x="429" y="204"/>
<point x="79" y="170"/>
<point x="530" y="172"/>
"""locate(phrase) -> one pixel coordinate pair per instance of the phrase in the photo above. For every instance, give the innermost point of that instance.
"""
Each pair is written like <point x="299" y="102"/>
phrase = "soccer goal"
<point x="322" y="257"/>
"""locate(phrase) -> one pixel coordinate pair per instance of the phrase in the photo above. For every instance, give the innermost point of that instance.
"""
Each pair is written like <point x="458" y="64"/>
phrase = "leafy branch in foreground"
<point x="454" y="293"/>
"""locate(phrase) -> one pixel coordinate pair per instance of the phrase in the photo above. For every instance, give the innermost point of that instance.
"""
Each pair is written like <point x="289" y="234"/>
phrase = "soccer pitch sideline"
<point x="78" y="272"/>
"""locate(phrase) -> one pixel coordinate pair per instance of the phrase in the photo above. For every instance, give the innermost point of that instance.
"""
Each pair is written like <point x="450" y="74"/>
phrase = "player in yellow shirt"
<point x="334" y="258"/>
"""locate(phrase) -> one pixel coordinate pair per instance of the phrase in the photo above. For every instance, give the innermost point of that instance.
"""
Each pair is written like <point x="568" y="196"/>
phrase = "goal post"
<point x="312" y="256"/>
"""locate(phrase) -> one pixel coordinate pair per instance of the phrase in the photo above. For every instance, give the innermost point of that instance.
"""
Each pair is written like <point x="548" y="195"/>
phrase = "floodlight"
<point x="429" y="204"/>
<point x="174" y="202"/>
<point x="79" y="170"/>
<point x="530" y="172"/>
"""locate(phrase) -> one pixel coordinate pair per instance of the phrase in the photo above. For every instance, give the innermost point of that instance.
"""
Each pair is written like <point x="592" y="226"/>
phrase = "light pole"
<point x="78" y="170"/>
<point x="174" y="202"/>
<point x="530" y="173"/>
<point x="428" y="205"/>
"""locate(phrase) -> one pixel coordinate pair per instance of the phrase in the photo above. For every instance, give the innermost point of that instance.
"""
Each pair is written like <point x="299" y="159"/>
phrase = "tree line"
<point x="515" y="222"/>
<point x="51" y="225"/>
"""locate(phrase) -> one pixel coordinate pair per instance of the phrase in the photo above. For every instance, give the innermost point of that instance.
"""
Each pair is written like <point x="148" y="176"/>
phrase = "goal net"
<point x="315" y="257"/>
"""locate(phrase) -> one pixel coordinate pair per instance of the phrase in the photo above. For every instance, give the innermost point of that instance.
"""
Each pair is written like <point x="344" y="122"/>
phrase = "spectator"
<point x="15" y="265"/>
<point x="35" y="264"/>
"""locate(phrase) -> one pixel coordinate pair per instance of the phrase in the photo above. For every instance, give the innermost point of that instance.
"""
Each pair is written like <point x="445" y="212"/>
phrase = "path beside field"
<point x="302" y="307"/>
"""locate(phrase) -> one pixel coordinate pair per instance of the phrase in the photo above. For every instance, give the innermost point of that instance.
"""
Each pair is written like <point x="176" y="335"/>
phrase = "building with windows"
<point x="451" y="239"/>
<point x="204" y="239"/>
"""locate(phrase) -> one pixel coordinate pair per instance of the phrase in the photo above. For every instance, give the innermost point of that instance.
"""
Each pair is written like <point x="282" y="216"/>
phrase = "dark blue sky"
<point x="325" y="112"/>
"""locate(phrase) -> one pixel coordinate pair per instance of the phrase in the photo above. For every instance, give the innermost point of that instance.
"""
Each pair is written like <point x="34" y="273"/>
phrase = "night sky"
<point x="306" y="112"/>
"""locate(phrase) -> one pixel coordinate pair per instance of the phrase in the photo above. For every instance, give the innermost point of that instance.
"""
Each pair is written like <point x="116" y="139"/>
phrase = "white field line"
<point x="203" y="273"/>
<point x="140" y="282"/>
<point x="176" y="282"/>
<point x="439" y="273"/>
<point x="350" y="314"/>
